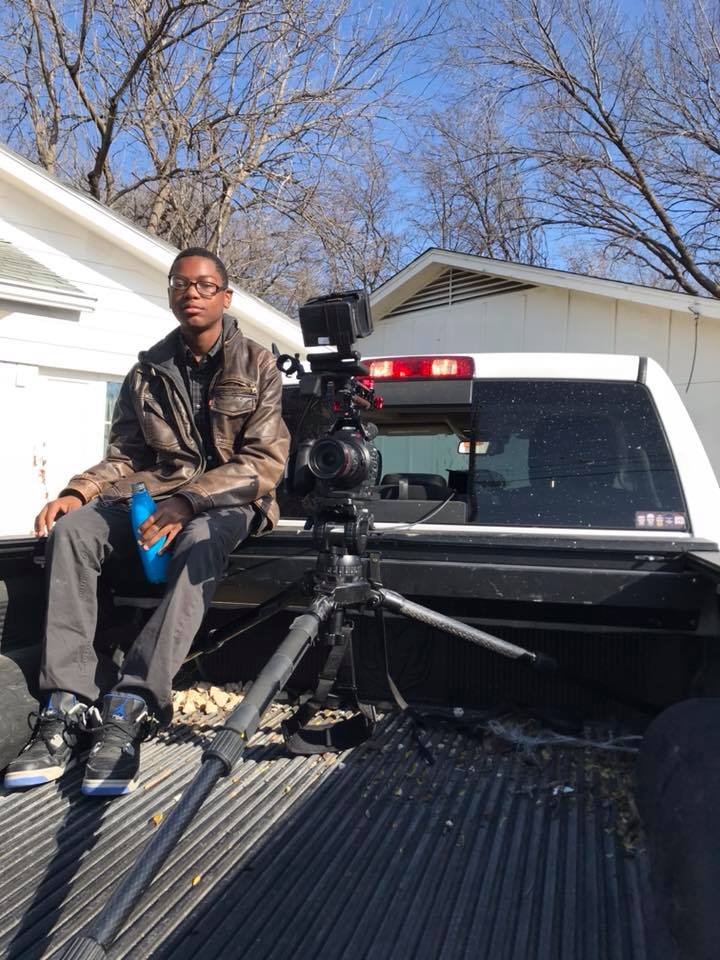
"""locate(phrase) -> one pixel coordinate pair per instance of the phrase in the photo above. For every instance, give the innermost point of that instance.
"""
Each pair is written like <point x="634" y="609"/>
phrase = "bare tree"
<point x="275" y="258"/>
<point x="472" y="191"/>
<point x="346" y="239"/>
<point x="196" y="117"/>
<point x="354" y="218"/>
<point x="610" y="124"/>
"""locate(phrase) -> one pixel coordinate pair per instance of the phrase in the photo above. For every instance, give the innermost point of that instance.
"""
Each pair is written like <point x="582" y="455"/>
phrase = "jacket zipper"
<point x="211" y="387"/>
<point x="168" y="382"/>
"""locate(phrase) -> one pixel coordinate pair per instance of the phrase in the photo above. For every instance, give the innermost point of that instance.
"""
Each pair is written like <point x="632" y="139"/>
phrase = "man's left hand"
<point x="168" y="520"/>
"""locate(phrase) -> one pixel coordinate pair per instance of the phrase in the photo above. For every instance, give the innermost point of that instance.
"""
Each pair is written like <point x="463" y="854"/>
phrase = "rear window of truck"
<point x="572" y="454"/>
<point x="579" y="454"/>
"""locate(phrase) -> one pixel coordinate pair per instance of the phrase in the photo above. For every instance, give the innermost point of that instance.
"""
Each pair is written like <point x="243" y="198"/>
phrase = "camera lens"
<point x="331" y="459"/>
<point x="345" y="460"/>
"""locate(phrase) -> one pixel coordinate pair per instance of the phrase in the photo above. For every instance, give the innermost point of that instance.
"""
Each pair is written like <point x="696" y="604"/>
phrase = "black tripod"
<point x="342" y="581"/>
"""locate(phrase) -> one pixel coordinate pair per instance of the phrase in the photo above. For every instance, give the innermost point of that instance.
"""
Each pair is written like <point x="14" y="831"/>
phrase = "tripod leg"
<point x="342" y="734"/>
<point x="335" y="636"/>
<point x="396" y="603"/>
<point x="540" y="661"/>
<point x="243" y="721"/>
<point x="218" y="760"/>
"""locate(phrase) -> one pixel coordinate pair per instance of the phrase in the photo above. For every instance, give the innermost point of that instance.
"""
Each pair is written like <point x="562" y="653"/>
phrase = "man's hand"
<point x="51" y="511"/>
<point x="167" y="521"/>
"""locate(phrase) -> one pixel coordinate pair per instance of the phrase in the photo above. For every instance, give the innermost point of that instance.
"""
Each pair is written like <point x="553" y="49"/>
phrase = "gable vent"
<point x="454" y="286"/>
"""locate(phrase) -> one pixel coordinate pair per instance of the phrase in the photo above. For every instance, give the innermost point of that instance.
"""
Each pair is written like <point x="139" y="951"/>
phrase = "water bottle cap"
<point x="138" y="487"/>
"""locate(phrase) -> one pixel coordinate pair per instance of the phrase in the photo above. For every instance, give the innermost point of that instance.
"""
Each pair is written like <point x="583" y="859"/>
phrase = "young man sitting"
<point x="198" y="421"/>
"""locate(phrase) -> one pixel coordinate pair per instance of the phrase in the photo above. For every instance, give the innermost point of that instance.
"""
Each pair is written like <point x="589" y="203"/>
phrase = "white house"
<point x="453" y="302"/>
<point x="82" y="291"/>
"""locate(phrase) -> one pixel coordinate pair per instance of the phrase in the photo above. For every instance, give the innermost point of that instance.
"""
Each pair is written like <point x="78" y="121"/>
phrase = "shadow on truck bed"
<point x="490" y="853"/>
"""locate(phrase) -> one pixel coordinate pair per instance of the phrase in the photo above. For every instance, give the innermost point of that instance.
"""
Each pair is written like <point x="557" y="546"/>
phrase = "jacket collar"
<point x="162" y="354"/>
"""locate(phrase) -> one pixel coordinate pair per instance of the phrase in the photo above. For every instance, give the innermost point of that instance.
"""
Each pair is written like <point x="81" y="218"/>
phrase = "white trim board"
<point x="434" y="261"/>
<point x="32" y="179"/>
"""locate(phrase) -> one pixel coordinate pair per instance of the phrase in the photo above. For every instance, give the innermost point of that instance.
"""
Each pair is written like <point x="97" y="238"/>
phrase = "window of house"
<point x="111" y="394"/>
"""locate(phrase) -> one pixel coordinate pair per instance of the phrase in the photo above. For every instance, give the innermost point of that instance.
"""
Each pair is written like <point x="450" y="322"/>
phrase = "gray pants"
<point x="77" y="548"/>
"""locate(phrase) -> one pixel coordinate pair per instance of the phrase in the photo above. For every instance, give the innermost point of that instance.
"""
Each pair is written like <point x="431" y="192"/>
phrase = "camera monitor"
<point x="336" y="320"/>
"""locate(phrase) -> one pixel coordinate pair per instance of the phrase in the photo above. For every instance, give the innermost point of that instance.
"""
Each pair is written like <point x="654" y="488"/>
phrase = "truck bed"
<point x="492" y="852"/>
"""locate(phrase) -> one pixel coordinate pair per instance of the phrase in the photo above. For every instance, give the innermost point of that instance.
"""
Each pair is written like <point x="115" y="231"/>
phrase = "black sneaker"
<point x="114" y="759"/>
<point x="51" y="748"/>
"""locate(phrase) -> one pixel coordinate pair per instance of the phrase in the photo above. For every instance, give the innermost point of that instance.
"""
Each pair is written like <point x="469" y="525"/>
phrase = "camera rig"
<point x="337" y="472"/>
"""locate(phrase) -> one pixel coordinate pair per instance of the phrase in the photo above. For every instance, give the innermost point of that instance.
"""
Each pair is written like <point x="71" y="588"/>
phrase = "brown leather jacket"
<point x="153" y="437"/>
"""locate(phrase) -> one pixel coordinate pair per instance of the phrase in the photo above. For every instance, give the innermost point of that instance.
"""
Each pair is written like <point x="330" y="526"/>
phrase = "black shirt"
<point x="197" y="377"/>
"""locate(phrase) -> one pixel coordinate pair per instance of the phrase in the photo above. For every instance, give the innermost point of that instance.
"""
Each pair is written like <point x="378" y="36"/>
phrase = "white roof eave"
<point x="153" y="250"/>
<point x="538" y="276"/>
<point x="37" y="296"/>
<point x="278" y="324"/>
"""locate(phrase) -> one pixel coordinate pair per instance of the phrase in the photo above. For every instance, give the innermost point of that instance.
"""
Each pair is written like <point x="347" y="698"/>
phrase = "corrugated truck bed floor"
<point x="489" y="853"/>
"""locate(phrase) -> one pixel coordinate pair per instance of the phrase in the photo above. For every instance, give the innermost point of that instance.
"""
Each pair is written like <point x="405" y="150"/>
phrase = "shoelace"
<point x="45" y="728"/>
<point x="113" y="730"/>
<point x="91" y="720"/>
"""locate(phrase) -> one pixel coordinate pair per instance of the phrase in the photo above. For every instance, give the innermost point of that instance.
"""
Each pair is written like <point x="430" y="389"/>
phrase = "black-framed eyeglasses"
<point x="206" y="288"/>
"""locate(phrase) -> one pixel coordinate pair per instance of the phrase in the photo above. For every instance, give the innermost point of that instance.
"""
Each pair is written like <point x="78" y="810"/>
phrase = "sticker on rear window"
<point x="657" y="520"/>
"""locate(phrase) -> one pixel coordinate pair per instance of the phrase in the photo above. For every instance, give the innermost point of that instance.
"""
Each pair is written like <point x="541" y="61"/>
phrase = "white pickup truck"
<point x="562" y="502"/>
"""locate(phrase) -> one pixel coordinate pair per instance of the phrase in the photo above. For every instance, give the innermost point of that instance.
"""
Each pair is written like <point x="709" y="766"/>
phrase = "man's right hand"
<point x="51" y="511"/>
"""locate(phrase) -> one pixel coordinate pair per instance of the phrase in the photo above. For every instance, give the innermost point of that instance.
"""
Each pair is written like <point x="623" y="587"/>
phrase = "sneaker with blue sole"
<point x="114" y="760"/>
<point x="53" y="746"/>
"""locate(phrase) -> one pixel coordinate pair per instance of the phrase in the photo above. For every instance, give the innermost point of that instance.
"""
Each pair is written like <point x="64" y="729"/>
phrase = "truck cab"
<point x="564" y="501"/>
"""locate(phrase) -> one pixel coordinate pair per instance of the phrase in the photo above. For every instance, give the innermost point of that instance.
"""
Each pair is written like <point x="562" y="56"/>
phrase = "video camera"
<point x="341" y="464"/>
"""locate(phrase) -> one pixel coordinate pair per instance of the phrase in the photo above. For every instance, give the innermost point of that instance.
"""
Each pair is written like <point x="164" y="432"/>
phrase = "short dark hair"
<point x="206" y="255"/>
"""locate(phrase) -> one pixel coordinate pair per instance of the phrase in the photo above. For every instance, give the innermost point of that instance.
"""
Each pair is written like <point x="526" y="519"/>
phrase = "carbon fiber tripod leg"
<point x="396" y="603"/>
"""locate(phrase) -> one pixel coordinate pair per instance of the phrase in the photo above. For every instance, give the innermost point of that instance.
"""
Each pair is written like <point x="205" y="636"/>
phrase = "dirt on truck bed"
<point x="513" y="845"/>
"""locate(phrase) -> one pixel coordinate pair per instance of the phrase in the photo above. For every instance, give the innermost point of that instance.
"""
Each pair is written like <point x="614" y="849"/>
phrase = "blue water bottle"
<point x="154" y="563"/>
